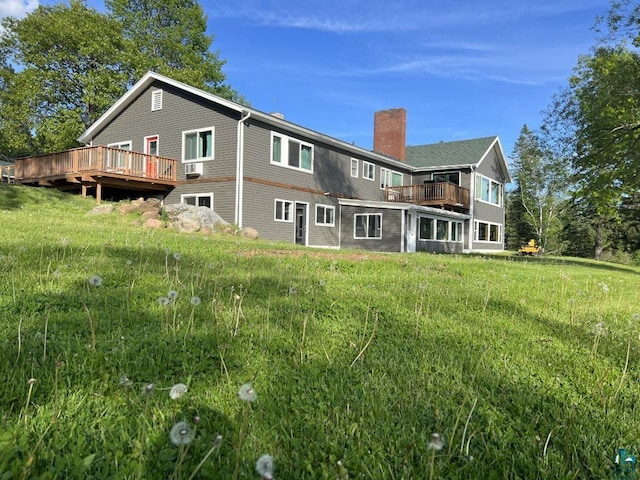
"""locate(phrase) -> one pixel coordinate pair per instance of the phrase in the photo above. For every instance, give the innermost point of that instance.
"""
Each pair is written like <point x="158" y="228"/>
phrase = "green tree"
<point x="541" y="179"/>
<point x="69" y="69"/>
<point x="169" y="37"/>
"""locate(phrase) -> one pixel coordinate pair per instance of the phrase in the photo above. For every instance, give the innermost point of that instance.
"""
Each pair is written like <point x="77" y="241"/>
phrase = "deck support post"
<point x="84" y="191"/>
<point x="98" y="193"/>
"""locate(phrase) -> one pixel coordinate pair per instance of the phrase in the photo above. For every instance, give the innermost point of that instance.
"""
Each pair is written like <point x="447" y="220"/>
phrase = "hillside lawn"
<point x="525" y="368"/>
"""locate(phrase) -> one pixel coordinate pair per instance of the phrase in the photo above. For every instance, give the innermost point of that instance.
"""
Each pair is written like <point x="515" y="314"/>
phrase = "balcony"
<point x="97" y="167"/>
<point x="440" y="194"/>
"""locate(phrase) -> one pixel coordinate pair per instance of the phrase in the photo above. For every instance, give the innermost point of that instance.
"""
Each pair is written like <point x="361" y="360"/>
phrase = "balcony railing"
<point x="99" y="160"/>
<point x="440" y="194"/>
<point x="7" y="173"/>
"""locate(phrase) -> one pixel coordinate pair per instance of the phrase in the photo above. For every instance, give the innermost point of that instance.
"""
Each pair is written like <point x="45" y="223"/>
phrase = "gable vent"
<point x="156" y="100"/>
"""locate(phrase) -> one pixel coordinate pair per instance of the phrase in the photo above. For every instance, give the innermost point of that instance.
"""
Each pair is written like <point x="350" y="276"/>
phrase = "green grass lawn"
<point x="524" y="368"/>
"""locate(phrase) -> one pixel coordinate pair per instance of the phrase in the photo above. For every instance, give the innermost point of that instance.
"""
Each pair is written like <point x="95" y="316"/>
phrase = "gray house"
<point x="295" y="184"/>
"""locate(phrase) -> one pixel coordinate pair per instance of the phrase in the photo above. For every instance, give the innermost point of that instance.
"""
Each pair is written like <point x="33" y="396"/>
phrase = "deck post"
<point x="98" y="193"/>
<point x="84" y="191"/>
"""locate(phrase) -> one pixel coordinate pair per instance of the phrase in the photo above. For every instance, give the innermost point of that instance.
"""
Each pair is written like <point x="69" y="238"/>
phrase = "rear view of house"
<point x="290" y="183"/>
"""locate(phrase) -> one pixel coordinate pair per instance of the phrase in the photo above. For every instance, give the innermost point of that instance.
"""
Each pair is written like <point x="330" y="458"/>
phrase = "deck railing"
<point x="8" y="173"/>
<point x="439" y="194"/>
<point x="99" y="159"/>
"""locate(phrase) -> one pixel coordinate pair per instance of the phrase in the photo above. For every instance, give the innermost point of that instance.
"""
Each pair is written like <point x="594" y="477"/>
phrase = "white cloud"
<point x="17" y="8"/>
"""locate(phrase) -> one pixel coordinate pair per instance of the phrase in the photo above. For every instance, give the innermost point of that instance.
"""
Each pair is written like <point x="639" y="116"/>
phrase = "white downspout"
<point x="240" y="169"/>
<point x="472" y="201"/>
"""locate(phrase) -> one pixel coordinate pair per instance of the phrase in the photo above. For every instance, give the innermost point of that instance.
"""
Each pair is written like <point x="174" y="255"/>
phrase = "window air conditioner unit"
<point x="193" y="169"/>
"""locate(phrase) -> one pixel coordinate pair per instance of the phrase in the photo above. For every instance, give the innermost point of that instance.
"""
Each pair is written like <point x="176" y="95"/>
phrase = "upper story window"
<point x="488" y="190"/>
<point x="451" y="177"/>
<point x="389" y="178"/>
<point x="291" y="153"/>
<point x="156" y="100"/>
<point x="197" y="145"/>
<point x="354" y="167"/>
<point x="368" y="170"/>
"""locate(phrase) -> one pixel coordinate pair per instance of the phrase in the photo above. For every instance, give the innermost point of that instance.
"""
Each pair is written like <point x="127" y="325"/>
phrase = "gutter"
<point x="240" y="169"/>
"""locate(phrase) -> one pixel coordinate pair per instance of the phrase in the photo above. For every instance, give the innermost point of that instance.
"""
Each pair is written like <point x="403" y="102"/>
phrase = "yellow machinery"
<point x="530" y="249"/>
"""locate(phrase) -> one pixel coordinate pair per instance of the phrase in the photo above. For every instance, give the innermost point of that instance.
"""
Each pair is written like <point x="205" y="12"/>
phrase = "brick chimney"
<point x="390" y="132"/>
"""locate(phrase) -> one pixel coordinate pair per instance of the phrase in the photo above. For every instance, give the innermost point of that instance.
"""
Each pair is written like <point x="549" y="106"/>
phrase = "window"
<point x="283" y="211"/>
<point x="354" y="167"/>
<point x="438" y="229"/>
<point x="197" y="145"/>
<point x="368" y="225"/>
<point x="426" y="228"/>
<point x="292" y="153"/>
<point x="456" y="231"/>
<point x="442" y="230"/>
<point x="488" y="232"/>
<point x="325" y="215"/>
<point x="198" y="200"/>
<point x="389" y="178"/>
<point x="368" y="170"/>
<point x="451" y="177"/>
<point x="118" y="160"/>
<point x="488" y="191"/>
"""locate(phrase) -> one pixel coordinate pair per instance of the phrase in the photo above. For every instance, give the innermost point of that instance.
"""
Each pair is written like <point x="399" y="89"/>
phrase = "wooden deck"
<point x="7" y="173"/>
<point x="442" y="195"/>
<point x="96" y="167"/>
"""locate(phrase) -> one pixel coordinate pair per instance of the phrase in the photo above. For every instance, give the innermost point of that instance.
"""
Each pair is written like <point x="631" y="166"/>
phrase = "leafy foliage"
<point x="64" y="65"/>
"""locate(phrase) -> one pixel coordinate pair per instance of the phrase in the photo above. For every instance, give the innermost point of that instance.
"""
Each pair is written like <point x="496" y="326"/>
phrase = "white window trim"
<point x="285" y="152"/>
<point x="476" y="229"/>
<point x="196" y="196"/>
<point x="326" y="207"/>
<point x="356" y="162"/>
<point x="479" y="191"/>
<point x="383" y="179"/>
<point x="157" y="137"/>
<point x="365" y="169"/>
<point x="291" y="210"/>
<point x="366" y="215"/>
<point x="450" y="227"/>
<point x="156" y="100"/>
<point x="117" y="145"/>
<point x="213" y="144"/>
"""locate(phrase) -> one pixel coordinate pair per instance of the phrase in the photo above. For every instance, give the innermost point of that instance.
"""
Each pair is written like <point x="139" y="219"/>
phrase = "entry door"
<point x="301" y="223"/>
<point x="151" y="147"/>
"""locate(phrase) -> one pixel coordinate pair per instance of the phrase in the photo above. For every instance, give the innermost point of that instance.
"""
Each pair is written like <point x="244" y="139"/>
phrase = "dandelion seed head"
<point x="147" y="389"/>
<point x="172" y="295"/>
<point x="96" y="280"/>
<point x="176" y="256"/>
<point x="435" y="443"/>
<point x="124" y="381"/>
<point x="195" y="301"/>
<point x="164" y="301"/>
<point x="599" y="329"/>
<point x="236" y="297"/>
<point x="128" y="262"/>
<point x="264" y="466"/>
<point x="247" y="393"/>
<point x="181" y="434"/>
<point x="178" y="390"/>
<point x="31" y="381"/>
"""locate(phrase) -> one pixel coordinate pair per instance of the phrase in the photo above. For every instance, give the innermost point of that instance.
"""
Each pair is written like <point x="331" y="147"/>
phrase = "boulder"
<point x="153" y="223"/>
<point x="103" y="209"/>
<point x="150" y="214"/>
<point x="183" y="217"/>
<point x="248" y="232"/>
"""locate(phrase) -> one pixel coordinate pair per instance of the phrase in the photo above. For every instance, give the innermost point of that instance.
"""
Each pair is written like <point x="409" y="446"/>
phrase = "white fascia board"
<point x="374" y="204"/>
<point x="438" y="212"/>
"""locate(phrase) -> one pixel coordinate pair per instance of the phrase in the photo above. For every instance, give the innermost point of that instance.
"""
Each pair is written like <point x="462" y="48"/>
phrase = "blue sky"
<point x="461" y="68"/>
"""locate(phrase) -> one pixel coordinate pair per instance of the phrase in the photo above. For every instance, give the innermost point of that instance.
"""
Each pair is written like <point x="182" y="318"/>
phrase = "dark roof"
<point x="5" y="164"/>
<point x="444" y="154"/>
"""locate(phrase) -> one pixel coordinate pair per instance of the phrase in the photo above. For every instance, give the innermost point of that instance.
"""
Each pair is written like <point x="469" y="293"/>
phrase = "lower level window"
<point x="488" y="232"/>
<point x="438" y="229"/>
<point x="283" y="211"/>
<point x="325" y="215"/>
<point x="368" y="225"/>
<point x="198" y="199"/>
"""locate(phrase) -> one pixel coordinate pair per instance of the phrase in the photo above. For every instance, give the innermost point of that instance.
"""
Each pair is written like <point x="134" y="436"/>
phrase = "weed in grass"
<point x="264" y="467"/>
<point x="436" y="443"/>
<point x="248" y="395"/>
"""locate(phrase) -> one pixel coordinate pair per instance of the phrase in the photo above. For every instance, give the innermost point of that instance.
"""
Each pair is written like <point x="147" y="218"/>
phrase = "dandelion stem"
<point x="216" y="445"/>
<point x="91" y="326"/>
<point x="624" y="374"/>
<point x="373" y="332"/>
<point x="466" y="425"/>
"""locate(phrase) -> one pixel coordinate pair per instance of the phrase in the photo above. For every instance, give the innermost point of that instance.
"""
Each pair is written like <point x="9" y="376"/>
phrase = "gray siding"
<point x="392" y="234"/>
<point x="180" y="112"/>
<point x="438" y="247"/>
<point x="485" y="212"/>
